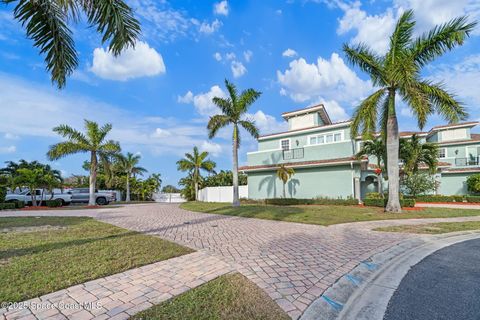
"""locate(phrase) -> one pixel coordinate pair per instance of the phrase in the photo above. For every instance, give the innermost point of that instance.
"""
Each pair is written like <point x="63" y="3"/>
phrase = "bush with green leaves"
<point x="418" y="184"/>
<point x="473" y="183"/>
<point x="3" y="193"/>
<point x="318" y="201"/>
<point x="54" y="203"/>
<point x="7" y="206"/>
<point x="406" y="203"/>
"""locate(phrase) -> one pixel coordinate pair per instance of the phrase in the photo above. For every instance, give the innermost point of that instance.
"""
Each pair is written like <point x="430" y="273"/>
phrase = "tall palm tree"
<point x="413" y="152"/>
<point x="46" y="23"/>
<point x="194" y="164"/>
<point x="398" y="72"/>
<point x="233" y="110"/>
<point x="92" y="141"/>
<point x="284" y="174"/>
<point x="377" y="149"/>
<point x="128" y="164"/>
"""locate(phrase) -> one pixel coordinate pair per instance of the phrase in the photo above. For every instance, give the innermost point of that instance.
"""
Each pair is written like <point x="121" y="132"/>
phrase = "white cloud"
<point x="217" y="56"/>
<point x="290" y="53"/>
<point x="373" y="30"/>
<point x="267" y="123"/>
<point x="187" y="98"/>
<point x="135" y="62"/>
<point x="462" y="78"/>
<point x="203" y="101"/>
<point x="330" y="79"/>
<point x="35" y="109"/>
<point x="211" y="147"/>
<point x="10" y="136"/>
<point x="161" y="133"/>
<point x="230" y="56"/>
<point x="221" y="8"/>
<point x="9" y="149"/>
<point x="209" y="28"/>
<point x="247" y="55"/>
<point x="238" y="69"/>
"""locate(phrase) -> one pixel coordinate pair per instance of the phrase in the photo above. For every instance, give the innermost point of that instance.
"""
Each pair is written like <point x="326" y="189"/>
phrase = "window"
<point x="285" y="144"/>
<point x="442" y="153"/>
<point x="326" y="138"/>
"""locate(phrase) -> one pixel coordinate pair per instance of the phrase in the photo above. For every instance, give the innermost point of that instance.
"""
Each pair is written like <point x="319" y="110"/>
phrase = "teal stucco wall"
<point x="455" y="183"/>
<point x="332" y="182"/>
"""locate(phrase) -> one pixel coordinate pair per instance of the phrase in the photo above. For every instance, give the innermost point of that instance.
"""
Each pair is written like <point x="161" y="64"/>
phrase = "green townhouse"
<point x="322" y="153"/>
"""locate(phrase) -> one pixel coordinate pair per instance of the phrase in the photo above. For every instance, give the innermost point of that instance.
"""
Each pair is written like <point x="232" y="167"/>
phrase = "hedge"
<point x="408" y="203"/>
<point x="19" y="204"/>
<point x="321" y="201"/>
<point x="7" y="205"/>
<point x="475" y="199"/>
<point x="53" y="203"/>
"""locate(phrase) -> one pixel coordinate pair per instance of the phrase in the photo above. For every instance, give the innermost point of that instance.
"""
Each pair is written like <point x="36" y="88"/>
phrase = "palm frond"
<point x="45" y="23"/>
<point x="225" y="105"/>
<point x="246" y="99"/>
<point x="401" y="36"/>
<point x="419" y="102"/>
<point x="115" y="21"/>
<point x="368" y="61"/>
<point x="445" y="103"/>
<point x="216" y="123"/>
<point x="232" y="91"/>
<point x="249" y="126"/>
<point x="365" y="116"/>
<point x="440" y="40"/>
<point x="63" y="149"/>
<point x="110" y="147"/>
<point x="71" y="134"/>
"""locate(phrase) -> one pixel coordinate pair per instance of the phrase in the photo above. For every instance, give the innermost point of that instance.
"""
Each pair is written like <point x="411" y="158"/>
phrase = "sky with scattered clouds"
<point x="158" y="95"/>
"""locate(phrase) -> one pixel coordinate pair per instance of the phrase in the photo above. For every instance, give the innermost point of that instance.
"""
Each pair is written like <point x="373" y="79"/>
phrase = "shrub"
<point x="53" y="203"/>
<point x="7" y="205"/>
<point x="3" y="193"/>
<point x="474" y="199"/>
<point x="420" y="183"/>
<point x="407" y="203"/>
<point x="439" y="198"/>
<point x="373" y="195"/>
<point x="19" y="204"/>
<point x="473" y="183"/>
<point x="320" y="200"/>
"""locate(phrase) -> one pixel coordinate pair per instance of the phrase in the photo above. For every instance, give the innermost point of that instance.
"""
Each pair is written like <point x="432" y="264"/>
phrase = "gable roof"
<point x="320" y="108"/>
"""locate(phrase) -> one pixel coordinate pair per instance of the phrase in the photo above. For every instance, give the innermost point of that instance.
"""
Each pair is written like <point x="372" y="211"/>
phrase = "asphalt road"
<point x="443" y="286"/>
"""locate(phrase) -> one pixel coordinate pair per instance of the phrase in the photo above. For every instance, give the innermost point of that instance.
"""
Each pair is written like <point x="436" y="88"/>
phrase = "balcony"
<point x="291" y="154"/>
<point x="465" y="162"/>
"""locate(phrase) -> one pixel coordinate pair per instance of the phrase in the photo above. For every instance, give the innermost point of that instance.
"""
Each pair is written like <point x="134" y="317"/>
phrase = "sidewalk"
<point x="121" y="295"/>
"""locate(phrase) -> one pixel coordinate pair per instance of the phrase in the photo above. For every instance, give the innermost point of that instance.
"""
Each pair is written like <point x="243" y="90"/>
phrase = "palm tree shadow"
<point x="270" y="180"/>
<point x="292" y="187"/>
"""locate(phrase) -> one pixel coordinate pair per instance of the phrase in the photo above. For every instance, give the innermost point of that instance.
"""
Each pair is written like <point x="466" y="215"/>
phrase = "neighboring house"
<point x="322" y="154"/>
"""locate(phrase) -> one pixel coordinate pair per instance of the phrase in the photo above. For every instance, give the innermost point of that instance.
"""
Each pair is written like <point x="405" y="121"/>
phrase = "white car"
<point x="40" y="194"/>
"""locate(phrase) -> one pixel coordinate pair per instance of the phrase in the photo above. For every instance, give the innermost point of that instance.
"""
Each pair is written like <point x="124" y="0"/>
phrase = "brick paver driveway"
<point x="294" y="263"/>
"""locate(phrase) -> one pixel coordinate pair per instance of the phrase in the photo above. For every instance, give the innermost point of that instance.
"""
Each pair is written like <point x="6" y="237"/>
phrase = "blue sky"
<point x="158" y="96"/>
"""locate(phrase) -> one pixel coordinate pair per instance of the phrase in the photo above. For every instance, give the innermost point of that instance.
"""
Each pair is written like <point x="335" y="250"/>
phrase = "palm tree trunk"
<point x="284" y="193"/>
<point x="127" y="197"/>
<point x="93" y="178"/>
<point x="393" y="204"/>
<point x="236" y="200"/>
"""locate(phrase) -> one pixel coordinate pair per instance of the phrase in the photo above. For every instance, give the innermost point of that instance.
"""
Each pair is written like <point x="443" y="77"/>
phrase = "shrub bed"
<point x="53" y="203"/>
<point x="321" y="201"/>
<point x="408" y="203"/>
<point x="19" y="204"/>
<point x="474" y="199"/>
<point x="7" y="205"/>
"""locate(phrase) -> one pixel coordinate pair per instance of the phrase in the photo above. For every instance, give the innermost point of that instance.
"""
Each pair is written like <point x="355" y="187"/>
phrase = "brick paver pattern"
<point x="294" y="263"/>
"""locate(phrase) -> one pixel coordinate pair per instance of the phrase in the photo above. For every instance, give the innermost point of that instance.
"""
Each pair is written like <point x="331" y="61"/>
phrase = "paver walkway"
<point x="294" y="263"/>
<point x="124" y="294"/>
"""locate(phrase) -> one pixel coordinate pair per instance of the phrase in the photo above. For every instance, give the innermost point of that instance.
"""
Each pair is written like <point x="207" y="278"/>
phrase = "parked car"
<point x="82" y="195"/>
<point x="40" y="195"/>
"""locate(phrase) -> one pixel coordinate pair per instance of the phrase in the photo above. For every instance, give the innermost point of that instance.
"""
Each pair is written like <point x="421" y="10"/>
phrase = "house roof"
<point x="440" y="164"/>
<point x="459" y="125"/>
<point x="461" y="170"/>
<point x="320" y="108"/>
<point x="333" y="125"/>
<point x="316" y="163"/>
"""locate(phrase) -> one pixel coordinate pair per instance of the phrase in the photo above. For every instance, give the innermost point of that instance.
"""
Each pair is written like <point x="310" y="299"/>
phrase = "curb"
<point x="364" y="293"/>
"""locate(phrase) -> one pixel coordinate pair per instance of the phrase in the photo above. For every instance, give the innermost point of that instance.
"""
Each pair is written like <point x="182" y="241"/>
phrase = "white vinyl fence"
<point x="221" y="194"/>
<point x="168" y="197"/>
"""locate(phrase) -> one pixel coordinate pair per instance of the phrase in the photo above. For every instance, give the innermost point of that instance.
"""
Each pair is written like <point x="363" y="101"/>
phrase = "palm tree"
<point x="377" y="149"/>
<point x="284" y="174"/>
<point x="194" y="164"/>
<point x="129" y="165"/>
<point x="233" y="111"/>
<point x="413" y="153"/>
<point x="398" y="73"/>
<point x="93" y="141"/>
<point x="46" y="23"/>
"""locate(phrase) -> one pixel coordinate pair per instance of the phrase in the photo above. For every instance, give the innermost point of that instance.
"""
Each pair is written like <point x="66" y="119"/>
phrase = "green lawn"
<point x="321" y="214"/>
<point x="231" y="296"/>
<point x="434" y="228"/>
<point x="45" y="254"/>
